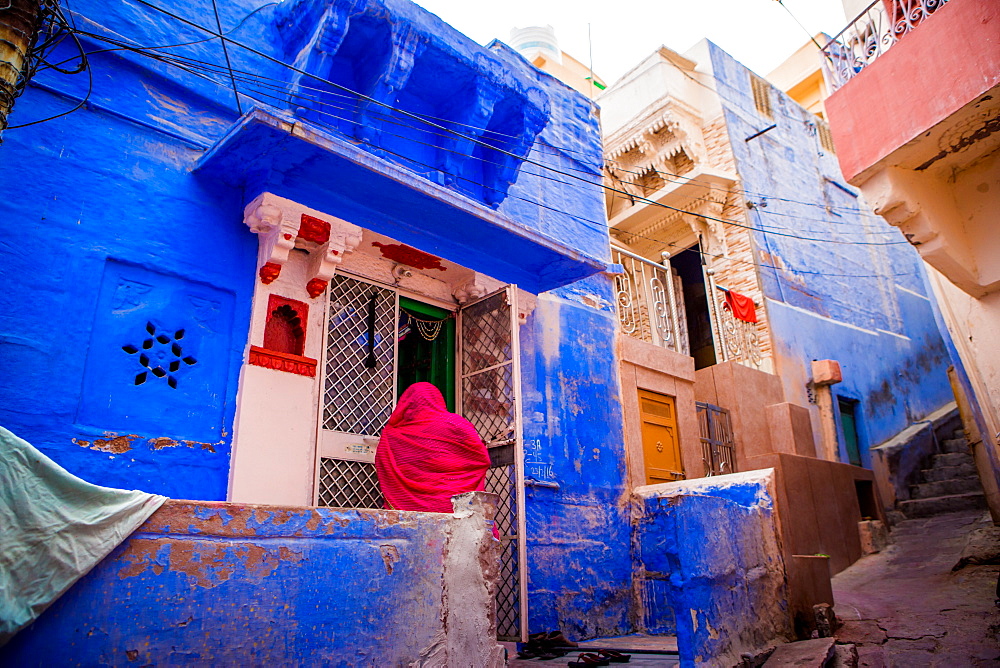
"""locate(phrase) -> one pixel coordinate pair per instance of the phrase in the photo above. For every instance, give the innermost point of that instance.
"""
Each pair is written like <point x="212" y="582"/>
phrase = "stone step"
<point x="816" y="653"/>
<point x="955" y="445"/>
<point x="939" y="505"/>
<point x="929" y="490"/>
<point x="949" y="472"/>
<point x="952" y="459"/>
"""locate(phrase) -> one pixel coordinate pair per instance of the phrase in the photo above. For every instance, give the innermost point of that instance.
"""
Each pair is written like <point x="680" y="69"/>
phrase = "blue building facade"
<point x="839" y="282"/>
<point x="136" y="296"/>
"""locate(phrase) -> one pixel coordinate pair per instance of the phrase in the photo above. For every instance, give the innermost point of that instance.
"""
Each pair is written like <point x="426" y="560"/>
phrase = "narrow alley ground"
<point x="905" y="606"/>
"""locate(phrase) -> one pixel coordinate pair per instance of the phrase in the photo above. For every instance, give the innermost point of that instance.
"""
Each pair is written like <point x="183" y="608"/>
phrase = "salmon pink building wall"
<point x="934" y="70"/>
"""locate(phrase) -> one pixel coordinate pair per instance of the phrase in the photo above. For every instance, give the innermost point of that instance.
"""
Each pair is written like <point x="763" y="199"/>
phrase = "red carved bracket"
<point x="269" y="359"/>
<point x="313" y="229"/>
<point x="315" y="287"/>
<point x="269" y="272"/>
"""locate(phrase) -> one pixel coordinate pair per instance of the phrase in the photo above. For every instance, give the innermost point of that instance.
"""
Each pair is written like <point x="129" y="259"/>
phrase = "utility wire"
<point x="471" y="139"/>
<point x="440" y="127"/>
<point x="164" y="58"/>
<point x="286" y="96"/>
<point x="804" y="29"/>
<point x="54" y="27"/>
<point x="355" y="96"/>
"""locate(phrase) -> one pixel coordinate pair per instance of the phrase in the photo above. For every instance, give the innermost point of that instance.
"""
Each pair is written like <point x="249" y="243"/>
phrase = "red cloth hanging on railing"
<point x="741" y="306"/>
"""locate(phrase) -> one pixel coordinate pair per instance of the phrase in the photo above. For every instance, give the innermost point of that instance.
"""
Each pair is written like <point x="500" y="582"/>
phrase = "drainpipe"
<point x="18" y="25"/>
<point x="824" y="374"/>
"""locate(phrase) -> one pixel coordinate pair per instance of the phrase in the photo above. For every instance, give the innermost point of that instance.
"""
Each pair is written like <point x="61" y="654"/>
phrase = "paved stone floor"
<point x="904" y="607"/>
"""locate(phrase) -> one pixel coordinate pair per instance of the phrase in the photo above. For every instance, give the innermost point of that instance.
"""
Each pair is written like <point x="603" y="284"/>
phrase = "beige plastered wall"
<point x="974" y="325"/>
<point x="738" y="271"/>
<point x="644" y="366"/>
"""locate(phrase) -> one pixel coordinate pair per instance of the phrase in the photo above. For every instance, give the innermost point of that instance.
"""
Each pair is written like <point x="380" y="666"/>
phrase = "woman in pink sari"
<point x="427" y="455"/>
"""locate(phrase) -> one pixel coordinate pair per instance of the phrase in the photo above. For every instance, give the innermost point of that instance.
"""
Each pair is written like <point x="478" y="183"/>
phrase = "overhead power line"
<point x="215" y="69"/>
<point x="352" y="95"/>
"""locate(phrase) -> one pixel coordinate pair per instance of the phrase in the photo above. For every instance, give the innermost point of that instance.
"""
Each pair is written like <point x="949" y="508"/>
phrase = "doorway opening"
<point x="849" y="425"/>
<point x="688" y="265"/>
<point x="426" y="348"/>
<point x="379" y="342"/>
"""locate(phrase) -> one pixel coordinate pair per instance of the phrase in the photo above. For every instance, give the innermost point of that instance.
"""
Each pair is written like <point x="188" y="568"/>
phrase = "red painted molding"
<point x="315" y="287"/>
<point x="409" y="256"/>
<point x="269" y="272"/>
<point x="313" y="229"/>
<point x="301" y="308"/>
<point x="269" y="359"/>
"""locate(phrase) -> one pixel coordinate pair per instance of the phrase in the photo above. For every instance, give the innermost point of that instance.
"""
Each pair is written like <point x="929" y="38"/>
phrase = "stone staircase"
<point x="951" y="483"/>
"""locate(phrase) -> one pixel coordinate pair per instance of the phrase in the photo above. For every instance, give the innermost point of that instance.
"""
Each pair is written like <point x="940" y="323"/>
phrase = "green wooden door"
<point x="426" y="351"/>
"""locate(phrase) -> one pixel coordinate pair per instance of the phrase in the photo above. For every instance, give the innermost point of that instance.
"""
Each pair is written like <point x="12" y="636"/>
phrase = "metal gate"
<point x="718" y="449"/>
<point x="358" y="392"/>
<point x="490" y="398"/>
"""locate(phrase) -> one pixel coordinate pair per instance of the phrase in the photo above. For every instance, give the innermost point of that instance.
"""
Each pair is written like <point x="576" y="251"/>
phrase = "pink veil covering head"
<point x="427" y="455"/>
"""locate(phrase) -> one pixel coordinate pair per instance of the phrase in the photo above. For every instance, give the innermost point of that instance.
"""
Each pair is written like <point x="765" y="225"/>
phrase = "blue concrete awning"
<point x="267" y="150"/>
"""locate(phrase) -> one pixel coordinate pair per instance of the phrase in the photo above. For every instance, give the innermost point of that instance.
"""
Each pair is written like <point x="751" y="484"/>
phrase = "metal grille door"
<point x="358" y="398"/>
<point x="490" y="399"/>
<point x="347" y="484"/>
<point x="359" y="390"/>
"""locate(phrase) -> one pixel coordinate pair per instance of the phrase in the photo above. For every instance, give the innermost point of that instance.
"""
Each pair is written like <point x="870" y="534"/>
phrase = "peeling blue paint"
<point x="709" y="566"/>
<point x="252" y="585"/>
<point x="579" y="565"/>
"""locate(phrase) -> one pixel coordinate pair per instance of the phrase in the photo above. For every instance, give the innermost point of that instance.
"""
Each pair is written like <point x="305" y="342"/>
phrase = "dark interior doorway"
<point x="699" y="324"/>
<point x="426" y="348"/>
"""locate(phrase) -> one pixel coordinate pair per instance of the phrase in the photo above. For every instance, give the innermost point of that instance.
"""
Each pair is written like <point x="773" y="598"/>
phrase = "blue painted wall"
<point x="578" y="534"/>
<point x="859" y="295"/>
<point x="726" y="596"/>
<point x="112" y="231"/>
<point x="108" y="234"/>
<point x="207" y="585"/>
<point x="128" y="272"/>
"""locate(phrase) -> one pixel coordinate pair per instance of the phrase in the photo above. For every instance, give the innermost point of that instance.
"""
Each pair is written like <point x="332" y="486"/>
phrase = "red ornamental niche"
<point x="284" y="331"/>
<point x="313" y="229"/>
<point x="409" y="256"/>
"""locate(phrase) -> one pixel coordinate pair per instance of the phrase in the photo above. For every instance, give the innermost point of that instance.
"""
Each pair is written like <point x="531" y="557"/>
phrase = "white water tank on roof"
<point x="533" y="41"/>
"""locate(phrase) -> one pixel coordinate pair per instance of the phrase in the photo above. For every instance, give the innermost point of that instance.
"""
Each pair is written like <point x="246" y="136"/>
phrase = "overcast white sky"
<point x="758" y="33"/>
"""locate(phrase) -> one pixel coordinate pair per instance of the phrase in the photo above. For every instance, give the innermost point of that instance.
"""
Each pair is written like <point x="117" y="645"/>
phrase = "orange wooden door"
<point x="660" y="447"/>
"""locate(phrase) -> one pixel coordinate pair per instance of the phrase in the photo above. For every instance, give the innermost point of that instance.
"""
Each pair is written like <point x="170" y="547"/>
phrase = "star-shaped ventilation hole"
<point x="160" y="355"/>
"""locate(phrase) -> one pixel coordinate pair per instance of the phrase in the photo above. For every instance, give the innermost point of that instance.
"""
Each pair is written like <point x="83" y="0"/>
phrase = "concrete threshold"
<point x="645" y="650"/>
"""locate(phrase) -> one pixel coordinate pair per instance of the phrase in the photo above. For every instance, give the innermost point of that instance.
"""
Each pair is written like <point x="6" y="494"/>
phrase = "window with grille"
<point x="825" y="138"/>
<point x="359" y="395"/>
<point x="761" y="95"/>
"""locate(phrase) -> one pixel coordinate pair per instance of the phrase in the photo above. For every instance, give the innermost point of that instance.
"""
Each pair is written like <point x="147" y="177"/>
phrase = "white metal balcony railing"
<point x="735" y="340"/>
<point x="650" y="302"/>
<point x="647" y="302"/>
<point x="871" y="34"/>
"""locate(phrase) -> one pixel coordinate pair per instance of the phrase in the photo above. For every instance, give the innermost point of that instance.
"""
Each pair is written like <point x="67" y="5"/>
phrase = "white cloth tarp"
<point x="54" y="527"/>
